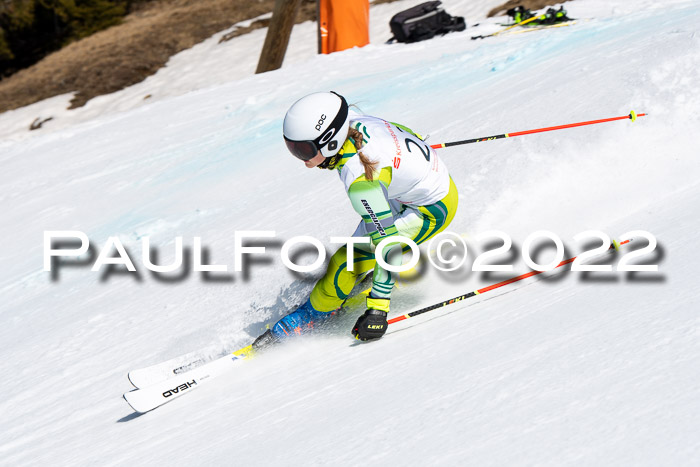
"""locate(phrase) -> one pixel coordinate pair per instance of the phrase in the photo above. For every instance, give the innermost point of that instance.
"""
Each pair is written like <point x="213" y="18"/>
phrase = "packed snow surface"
<point x="567" y="368"/>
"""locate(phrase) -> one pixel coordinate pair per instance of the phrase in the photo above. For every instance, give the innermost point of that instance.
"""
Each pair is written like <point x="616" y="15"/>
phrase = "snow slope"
<point x="571" y="369"/>
<point x="212" y="63"/>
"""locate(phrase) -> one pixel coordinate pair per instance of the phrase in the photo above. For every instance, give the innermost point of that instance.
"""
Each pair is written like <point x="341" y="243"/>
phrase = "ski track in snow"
<point x="566" y="369"/>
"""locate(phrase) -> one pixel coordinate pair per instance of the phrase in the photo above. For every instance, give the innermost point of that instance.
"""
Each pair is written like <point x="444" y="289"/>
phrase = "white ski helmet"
<point x="316" y="122"/>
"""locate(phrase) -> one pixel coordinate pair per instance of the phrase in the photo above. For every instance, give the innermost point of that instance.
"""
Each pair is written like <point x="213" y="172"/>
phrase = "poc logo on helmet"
<point x="320" y="122"/>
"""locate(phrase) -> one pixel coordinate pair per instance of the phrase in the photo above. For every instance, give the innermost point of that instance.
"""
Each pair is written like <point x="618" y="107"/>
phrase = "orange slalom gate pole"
<point x="488" y="288"/>
<point x="632" y="116"/>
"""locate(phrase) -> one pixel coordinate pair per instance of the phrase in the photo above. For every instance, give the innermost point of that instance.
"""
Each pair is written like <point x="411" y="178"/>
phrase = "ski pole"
<point x="615" y="245"/>
<point x="525" y="21"/>
<point x="632" y="116"/>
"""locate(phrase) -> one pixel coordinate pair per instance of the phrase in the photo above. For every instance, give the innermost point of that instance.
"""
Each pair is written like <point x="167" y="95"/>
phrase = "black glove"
<point x="373" y="324"/>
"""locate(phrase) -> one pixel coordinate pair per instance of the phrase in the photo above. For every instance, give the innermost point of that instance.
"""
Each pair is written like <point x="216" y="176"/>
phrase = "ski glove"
<point x="373" y="323"/>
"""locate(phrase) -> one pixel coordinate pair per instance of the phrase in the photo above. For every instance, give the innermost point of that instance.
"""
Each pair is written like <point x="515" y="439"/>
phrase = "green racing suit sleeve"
<point x="369" y="199"/>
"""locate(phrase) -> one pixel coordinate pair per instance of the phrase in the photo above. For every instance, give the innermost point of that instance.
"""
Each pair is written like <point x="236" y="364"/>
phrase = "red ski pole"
<point x="615" y="246"/>
<point x="632" y="116"/>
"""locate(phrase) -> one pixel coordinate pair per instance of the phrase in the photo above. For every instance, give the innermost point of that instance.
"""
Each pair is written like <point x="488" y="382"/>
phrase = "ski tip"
<point x="134" y="405"/>
<point x="126" y="398"/>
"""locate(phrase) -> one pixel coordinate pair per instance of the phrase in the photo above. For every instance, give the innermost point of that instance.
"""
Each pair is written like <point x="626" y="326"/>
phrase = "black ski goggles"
<point x="307" y="150"/>
<point x="302" y="150"/>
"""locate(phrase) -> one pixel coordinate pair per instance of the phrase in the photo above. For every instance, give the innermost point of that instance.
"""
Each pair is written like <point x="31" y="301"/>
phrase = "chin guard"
<point x="330" y="163"/>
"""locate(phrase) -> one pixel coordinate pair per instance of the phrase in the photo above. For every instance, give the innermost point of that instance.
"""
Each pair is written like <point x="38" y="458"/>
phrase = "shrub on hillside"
<point x="30" y="29"/>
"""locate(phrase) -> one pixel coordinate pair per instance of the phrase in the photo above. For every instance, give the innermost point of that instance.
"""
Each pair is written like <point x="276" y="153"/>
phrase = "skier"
<point x="395" y="182"/>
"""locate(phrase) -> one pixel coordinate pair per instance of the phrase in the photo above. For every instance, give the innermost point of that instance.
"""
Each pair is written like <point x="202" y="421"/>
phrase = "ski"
<point x="181" y="375"/>
<point x="147" y="376"/>
<point x="145" y="399"/>
<point x="527" y="28"/>
<point x="537" y="28"/>
<point x="142" y="377"/>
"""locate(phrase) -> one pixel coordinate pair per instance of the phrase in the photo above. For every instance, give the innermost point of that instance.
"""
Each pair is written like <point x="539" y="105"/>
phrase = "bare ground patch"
<point x="128" y="53"/>
<point x="125" y="54"/>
